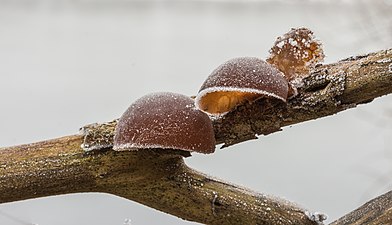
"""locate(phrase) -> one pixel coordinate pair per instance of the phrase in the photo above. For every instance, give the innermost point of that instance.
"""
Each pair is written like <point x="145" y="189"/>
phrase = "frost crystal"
<point x="98" y="136"/>
<point x="296" y="52"/>
<point x="316" y="217"/>
<point x="164" y="120"/>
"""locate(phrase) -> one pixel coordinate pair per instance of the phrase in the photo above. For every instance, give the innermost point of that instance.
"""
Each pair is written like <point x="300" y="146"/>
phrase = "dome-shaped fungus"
<point x="164" y="120"/>
<point x="296" y="52"/>
<point x="239" y="80"/>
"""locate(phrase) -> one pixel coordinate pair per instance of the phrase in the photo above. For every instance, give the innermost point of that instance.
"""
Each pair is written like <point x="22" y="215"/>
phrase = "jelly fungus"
<point x="164" y="120"/>
<point x="296" y="52"/>
<point x="237" y="81"/>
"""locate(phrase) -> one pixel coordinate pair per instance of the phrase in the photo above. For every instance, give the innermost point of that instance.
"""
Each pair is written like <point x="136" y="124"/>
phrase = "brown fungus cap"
<point x="239" y="80"/>
<point x="296" y="52"/>
<point x="164" y="120"/>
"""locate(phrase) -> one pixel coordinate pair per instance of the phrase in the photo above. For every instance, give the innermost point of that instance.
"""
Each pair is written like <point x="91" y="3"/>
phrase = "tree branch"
<point x="328" y="90"/>
<point x="375" y="212"/>
<point x="161" y="180"/>
<point x="156" y="178"/>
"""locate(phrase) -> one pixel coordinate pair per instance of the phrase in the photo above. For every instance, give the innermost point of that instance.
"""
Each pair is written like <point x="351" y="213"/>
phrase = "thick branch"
<point x="375" y="212"/>
<point x="156" y="178"/>
<point x="328" y="90"/>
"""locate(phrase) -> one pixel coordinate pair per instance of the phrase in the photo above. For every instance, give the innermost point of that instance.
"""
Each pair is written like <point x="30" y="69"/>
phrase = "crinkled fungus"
<point x="237" y="81"/>
<point x="164" y="120"/>
<point x="296" y="52"/>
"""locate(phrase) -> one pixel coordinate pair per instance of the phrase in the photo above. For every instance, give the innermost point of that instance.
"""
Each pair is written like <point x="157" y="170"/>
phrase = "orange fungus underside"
<point x="223" y="101"/>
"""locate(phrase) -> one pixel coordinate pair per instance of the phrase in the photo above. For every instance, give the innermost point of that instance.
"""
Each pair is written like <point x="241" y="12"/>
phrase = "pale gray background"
<point x="66" y="63"/>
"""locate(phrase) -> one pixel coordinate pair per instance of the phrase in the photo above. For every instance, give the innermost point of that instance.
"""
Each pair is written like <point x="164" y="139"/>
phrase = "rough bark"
<point x="378" y="211"/>
<point x="156" y="178"/>
<point x="161" y="180"/>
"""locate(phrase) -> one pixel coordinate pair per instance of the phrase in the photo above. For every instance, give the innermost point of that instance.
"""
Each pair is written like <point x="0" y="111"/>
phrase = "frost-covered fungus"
<point x="296" y="52"/>
<point x="237" y="81"/>
<point x="164" y="120"/>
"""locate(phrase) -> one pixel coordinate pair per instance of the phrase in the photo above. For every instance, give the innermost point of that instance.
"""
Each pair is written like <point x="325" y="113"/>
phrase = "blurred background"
<point x="67" y="63"/>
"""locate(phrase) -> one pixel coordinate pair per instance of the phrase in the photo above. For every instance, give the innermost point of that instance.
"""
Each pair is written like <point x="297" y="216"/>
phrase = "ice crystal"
<point x="316" y="217"/>
<point x="296" y="52"/>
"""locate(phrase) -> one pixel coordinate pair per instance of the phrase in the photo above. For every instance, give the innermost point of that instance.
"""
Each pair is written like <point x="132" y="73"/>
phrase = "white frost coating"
<point x="384" y="60"/>
<point x="296" y="52"/>
<point x="261" y="196"/>
<point x="167" y="121"/>
<point x="215" y="194"/>
<point x="223" y="89"/>
<point x="280" y="44"/>
<point x="244" y="72"/>
<point x="293" y="42"/>
<point x="316" y="217"/>
<point x="297" y="82"/>
<point x="136" y="147"/>
<point x="88" y="148"/>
